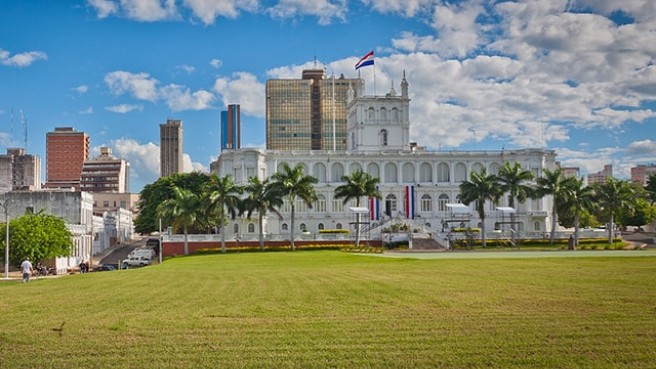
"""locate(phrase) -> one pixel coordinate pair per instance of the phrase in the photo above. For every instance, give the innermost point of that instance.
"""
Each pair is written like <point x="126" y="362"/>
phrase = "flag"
<point x="366" y="60"/>
<point x="374" y="208"/>
<point x="410" y="202"/>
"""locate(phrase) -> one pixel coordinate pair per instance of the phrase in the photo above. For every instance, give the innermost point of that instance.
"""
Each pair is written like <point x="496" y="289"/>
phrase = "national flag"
<point x="374" y="208"/>
<point x="410" y="202"/>
<point x="366" y="60"/>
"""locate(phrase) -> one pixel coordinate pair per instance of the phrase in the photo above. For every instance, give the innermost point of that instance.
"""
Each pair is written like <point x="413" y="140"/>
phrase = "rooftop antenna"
<point x="24" y="121"/>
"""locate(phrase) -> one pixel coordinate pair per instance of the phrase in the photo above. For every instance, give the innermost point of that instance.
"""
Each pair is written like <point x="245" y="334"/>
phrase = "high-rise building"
<point x="601" y="177"/>
<point x="231" y="128"/>
<point x="170" y="146"/>
<point x="19" y="171"/>
<point x="105" y="173"/>
<point x="641" y="173"/>
<point x="66" y="151"/>
<point x="308" y="113"/>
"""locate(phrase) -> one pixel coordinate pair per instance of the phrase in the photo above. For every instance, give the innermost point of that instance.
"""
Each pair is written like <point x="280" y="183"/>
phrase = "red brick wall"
<point x="177" y="248"/>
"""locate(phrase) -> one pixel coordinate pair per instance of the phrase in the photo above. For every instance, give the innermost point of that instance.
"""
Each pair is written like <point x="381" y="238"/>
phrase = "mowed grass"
<point x="329" y="309"/>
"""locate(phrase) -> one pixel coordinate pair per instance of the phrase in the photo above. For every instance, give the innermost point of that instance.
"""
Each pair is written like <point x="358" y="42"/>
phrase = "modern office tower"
<point x="19" y="171"/>
<point x="105" y="173"/>
<point x="66" y="151"/>
<point x="308" y="113"/>
<point x="231" y="128"/>
<point x="601" y="177"/>
<point x="170" y="146"/>
<point x="641" y="173"/>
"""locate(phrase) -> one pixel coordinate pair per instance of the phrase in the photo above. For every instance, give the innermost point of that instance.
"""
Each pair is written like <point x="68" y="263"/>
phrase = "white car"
<point x="136" y="261"/>
<point x="145" y="252"/>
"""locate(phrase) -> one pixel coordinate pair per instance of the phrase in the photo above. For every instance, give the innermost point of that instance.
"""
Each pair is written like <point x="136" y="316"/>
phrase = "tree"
<point x="481" y="188"/>
<point x="552" y="183"/>
<point x="577" y="199"/>
<point x="37" y="236"/>
<point x="181" y="211"/>
<point x="262" y="197"/>
<point x="612" y="197"/>
<point x="161" y="190"/>
<point x="293" y="183"/>
<point x="359" y="184"/>
<point x="221" y="195"/>
<point x="513" y="180"/>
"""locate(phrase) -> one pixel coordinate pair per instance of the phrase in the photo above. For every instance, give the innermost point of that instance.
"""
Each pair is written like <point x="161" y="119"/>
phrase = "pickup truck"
<point x="136" y="261"/>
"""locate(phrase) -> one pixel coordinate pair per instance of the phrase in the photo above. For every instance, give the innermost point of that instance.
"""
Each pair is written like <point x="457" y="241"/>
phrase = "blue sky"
<point x="577" y="76"/>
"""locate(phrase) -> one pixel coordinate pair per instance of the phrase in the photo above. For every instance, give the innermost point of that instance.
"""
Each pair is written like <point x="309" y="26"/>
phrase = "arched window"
<point x="302" y="227"/>
<point x="319" y="172"/>
<point x="337" y="172"/>
<point x="390" y="205"/>
<point x="494" y="168"/>
<point x="536" y="225"/>
<point x="284" y="226"/>
<point x="383" y="114"/>
<point x="338" y="205"/>
<point x="442" y="201"/>
<point x="426" y="203"/>
<point x="251" y="228"/>
<point x="425" y="173"/>
<point x="460" y="174"/>
<point x="372" y="113"/>
<point x="395" y="114"/>
<point x="320" y="226"/>
<point x="281" y="166"/>
<point x="320" y="204"/>
<point x="355" y="167"/>
<point x="477" y="167"/>
<point x="301" y="206"/>
<point x="383" y="137"/>
<point x="235" y="228"/>
<point x="374" y="170"/>
<point x="338" y="226"/>
<point x="408" y="173"/>
<point x="391" y="175"/>
<point x="443" y="173"/>
<point x="428" y="225"/>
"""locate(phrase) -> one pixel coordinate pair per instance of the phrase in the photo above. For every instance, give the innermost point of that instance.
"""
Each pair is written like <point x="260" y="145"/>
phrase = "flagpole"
<point x="374" y="79"/>
<point x="334" y="134"/>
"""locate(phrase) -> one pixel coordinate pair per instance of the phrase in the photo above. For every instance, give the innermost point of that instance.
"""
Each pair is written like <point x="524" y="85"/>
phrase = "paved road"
<point x="120" y="253"/>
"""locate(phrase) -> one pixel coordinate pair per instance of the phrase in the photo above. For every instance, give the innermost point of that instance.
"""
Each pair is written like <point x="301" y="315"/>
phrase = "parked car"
<point x="105" y="268"/>
<point x="143" y="251"/>
<point x="136" y="261"/>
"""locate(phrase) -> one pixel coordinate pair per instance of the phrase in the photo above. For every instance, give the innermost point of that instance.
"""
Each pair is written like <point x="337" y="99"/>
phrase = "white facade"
<point x="432" y="178"/>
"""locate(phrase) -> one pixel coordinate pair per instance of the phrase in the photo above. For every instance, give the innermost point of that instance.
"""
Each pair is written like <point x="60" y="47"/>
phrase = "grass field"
<point x="330" y="309"/>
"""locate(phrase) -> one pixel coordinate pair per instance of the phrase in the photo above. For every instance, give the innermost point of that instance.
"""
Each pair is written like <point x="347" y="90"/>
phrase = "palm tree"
<point x="262" y="197"/>
<point x="481" y="188"/>
<point x="221" y="196"/>
<point x="356" y="186"/>
<point x="181" y="211"/>
<point x="552" y="183"/>
<point x="576" y="198"/>
<point x="612" y="197"/>
<point x="513" y="181"/>
<point x="292" y="183"/>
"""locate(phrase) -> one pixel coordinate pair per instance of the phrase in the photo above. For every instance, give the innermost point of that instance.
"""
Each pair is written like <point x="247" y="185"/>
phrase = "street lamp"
<point x="4" y="206"/>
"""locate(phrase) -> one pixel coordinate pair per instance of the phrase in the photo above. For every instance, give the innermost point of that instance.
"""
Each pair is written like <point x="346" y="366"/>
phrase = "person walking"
<point x="26" y="268"/>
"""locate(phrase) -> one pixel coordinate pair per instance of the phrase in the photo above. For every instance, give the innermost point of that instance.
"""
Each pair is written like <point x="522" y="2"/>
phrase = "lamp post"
<point x="4" y="206"/>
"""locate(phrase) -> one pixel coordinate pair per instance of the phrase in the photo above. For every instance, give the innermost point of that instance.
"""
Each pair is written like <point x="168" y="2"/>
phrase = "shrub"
<point x="334" y="231"/>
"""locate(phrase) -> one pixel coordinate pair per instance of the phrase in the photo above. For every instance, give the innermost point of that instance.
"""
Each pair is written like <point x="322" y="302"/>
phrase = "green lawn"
<point x="330" y="309"/>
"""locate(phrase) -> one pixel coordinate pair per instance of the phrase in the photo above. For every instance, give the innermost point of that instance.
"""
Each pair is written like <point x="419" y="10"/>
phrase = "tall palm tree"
<point x="613" y="196"/>
<point x="293" y="183"/>
<point x="576" y="198"/>
<point x="481" y="188"/>
<point x="181" y="211"/>
<point x="552" y="183"/>
<point x="359" y="184"/>
<point x="222" y="195"/>
<point x="513" y="180"/>
<point x="262" y="197"/>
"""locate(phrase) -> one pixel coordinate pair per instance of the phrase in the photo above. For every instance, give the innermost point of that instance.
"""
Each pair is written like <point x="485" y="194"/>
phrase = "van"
<point x="145" y="252"/>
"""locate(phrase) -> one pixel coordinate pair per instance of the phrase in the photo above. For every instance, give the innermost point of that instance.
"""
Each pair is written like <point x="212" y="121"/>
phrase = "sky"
<point x="575" y="76"/>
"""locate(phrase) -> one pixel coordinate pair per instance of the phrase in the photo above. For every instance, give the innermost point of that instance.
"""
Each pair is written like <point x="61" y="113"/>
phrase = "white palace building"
<point x="419" y="187"/>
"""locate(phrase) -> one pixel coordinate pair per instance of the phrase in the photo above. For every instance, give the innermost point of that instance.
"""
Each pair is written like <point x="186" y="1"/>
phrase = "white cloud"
<point x="21" y="60"/>
<point x="143" y="158"/>
<point x="140" y="85"/>
<point x="216" y="63"/>
<point x="208" y="10"/>
<point x="81" y="89"/>
<point x="124" y="108"/>
<point x="243" y="89"/>
<point x="88" y="110"/>
<point x="189" y="166"/>
<point x="640" y="148"/>
<point x="104" y="8"/>
<point x="179" y="98"/>
<point x="408" y="8"/>
<point x="187" y="68"/>
<point x="149" y="10"/>
<point x="325" y="10"/>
